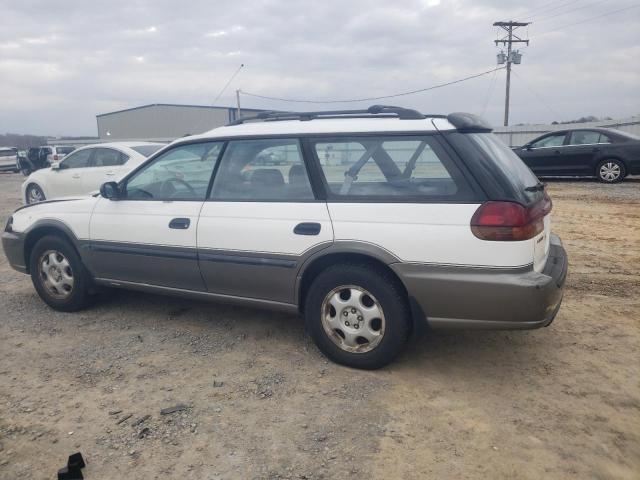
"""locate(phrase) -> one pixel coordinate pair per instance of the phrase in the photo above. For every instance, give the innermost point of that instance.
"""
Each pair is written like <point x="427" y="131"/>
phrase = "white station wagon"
<point x="371" y="224"/>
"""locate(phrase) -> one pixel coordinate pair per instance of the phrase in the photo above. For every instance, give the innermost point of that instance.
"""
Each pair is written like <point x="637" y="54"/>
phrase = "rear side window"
<point x="262" y="170"/>
<point x="584" y="137"/>
<point x="107" y="157"/>
<point x="64" y="150"/>
<point x="389" y="167"/>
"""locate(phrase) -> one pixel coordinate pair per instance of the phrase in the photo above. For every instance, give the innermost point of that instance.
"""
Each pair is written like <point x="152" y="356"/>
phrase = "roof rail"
<point x="377" y="111"/>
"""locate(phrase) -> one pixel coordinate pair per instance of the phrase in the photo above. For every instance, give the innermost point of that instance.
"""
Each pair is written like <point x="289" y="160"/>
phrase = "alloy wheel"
<point x="353" y="319"/>
<point x="610" y="171"/>
<point x="56" y="274"/>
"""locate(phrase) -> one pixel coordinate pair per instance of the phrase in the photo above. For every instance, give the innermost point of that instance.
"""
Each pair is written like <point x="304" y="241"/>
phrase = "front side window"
<point x="182" y="173"/>
<point x="79" y="159"/>
<point x="107" y="157"/>
<point x="262" y="170"/>
<point x="550" y="141"/>
<point x="388" y="167"/>
<point x="587" y="137"/>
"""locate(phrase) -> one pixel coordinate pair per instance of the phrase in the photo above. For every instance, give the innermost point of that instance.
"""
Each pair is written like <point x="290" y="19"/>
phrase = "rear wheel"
<point x="357" y="316"/>
<point x="610" y="171"/>
<point x="34" y="194"/>
<point x="58" y="274"/>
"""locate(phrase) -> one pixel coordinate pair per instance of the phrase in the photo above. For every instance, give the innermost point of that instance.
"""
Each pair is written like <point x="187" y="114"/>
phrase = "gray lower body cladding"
<point x="13" y="246"/>
<point x="455" y="297"/>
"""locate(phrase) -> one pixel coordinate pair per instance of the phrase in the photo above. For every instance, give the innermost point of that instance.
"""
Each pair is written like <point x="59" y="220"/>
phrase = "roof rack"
<point x="377" y="111"/>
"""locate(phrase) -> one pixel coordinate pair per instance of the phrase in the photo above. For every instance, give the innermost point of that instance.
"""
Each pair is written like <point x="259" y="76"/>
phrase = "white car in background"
<point x="85" y="169"/>
<point x="8" y="159"/>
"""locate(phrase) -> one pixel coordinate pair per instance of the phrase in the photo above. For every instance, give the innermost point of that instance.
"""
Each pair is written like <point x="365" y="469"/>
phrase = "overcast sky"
<point x="63" y="62"/>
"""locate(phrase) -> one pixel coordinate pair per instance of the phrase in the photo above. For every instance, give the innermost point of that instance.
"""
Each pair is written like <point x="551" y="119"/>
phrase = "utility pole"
<point x="238" y="101"/>
<point x="513" y="56"/>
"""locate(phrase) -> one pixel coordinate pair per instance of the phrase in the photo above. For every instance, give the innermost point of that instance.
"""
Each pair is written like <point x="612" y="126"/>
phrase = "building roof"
<point x="213" y="107"/>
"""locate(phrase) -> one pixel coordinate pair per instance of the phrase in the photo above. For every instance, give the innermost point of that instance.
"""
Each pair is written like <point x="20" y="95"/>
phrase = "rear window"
<point x="146" y="150"/>
<point x="389" y="167"/>
<point x="65" y="150"/>
<point x="500" y="171"/>
<point x="8" y="153"/>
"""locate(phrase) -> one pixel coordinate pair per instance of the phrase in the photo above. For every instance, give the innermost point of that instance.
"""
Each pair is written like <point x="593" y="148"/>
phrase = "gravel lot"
<point x="261" y="402"/>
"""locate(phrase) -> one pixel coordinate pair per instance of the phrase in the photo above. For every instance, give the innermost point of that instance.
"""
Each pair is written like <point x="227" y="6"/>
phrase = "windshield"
<point x="146" y="150"/>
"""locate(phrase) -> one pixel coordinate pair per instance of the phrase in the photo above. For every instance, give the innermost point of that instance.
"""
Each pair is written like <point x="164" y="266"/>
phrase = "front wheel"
<point x="610" y="171"/>
<point x="357" y="316"/>
<point x="35" y="194"/>
<point x="58" y="274"/>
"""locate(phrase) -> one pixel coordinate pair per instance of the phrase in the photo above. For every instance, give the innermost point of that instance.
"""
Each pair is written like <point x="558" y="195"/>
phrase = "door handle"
<point x="596" y="149"/>
<point x="110" y="173"/>
<point x="180" y="223"/>
<point x="557" y="152"/>
<point x="75" y="175"/>
<point x="310" y="228"/>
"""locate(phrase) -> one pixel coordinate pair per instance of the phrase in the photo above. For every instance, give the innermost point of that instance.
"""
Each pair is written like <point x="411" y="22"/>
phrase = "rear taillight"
<point x="510" y="221"/>
<point x="55" y="157"/>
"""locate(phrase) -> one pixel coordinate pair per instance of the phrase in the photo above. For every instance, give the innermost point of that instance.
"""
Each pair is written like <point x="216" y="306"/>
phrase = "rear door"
<point x="260" y="221"/>
<point x="581" y="151"/>
<point x="148" y="236"/>
<point x="544" y="156"/>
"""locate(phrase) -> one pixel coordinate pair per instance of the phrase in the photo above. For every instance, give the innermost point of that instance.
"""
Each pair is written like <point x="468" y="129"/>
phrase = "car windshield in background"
<point x="146" y="150"/>
<point x="65" y="150"/>
<point x="517" y="173"/>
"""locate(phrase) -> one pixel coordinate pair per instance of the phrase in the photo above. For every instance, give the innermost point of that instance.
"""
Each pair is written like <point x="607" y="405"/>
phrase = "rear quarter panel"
<point x="426" y="233"/>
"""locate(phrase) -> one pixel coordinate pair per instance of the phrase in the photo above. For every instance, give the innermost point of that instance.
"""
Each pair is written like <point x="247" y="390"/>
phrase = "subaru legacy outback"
<point x="371" y="224"/>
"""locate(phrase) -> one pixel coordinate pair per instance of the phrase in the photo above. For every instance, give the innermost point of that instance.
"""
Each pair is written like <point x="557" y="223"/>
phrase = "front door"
<point x="544" y="156"/>
<point x="260" y="221"/>
<point x="148" y="236"/>
<point x="105" y="166"/>
<point x="66" y="180"/>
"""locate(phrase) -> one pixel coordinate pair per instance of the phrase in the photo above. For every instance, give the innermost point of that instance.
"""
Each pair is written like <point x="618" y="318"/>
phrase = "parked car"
<point x="8" y="159"/>
<point x="609" y="155"/>
<point x="85" y="169"/>
<point x="428" y="219"/>
<point x="43" y="157"/>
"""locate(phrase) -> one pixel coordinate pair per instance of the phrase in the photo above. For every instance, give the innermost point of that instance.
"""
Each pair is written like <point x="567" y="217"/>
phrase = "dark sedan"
<point x="609" y="155"/>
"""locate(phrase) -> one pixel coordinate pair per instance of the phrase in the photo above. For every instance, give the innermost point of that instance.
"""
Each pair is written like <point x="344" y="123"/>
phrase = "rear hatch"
<point x="505" y="178"/>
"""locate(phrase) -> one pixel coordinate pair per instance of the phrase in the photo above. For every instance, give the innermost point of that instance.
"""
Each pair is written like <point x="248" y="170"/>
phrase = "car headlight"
<point x="9" y="226"/>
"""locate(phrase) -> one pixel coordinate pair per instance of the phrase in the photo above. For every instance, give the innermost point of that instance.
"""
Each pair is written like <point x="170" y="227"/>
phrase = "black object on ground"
<point x="73" y="469"/>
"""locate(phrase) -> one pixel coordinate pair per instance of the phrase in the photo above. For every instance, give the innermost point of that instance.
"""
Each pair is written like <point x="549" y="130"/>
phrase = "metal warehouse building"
<point x="164" y="121"/>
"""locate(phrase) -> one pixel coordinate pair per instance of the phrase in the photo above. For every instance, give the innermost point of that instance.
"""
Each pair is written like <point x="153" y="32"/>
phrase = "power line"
<point x="227" y="84"/>
<point x="489" y="92"/>
<point x="572" y="10"/>
<point x="548" y="10"/>
<point x="353" y="100"/>
<point x="538" y="97"/>
<point x="587" y="20"/>
<point x="544" y="6"/>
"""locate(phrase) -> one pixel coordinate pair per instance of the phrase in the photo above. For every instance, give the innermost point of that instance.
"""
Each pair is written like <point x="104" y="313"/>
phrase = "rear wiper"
<point x="538" y="187"/>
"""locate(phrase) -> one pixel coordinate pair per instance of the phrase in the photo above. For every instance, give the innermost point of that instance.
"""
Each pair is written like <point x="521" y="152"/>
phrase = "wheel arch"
<point x="34" y="182"/>
<point x="359" y="253"/>
<point x="47" y="227"/>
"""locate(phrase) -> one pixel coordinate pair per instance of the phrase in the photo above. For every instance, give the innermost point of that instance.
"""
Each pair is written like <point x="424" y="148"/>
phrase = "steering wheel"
<point x="169" y="181"/>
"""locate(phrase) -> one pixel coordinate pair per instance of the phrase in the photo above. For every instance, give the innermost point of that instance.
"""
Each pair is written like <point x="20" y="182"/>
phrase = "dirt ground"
<point x="555" y="403"/>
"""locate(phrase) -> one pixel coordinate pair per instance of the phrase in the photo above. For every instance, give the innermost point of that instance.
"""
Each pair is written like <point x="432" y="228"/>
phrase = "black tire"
<point x="34" y="191"/>
<point x="607" y="168"/>
<point x="78" y="296"/>
<point x="386" y="292"/>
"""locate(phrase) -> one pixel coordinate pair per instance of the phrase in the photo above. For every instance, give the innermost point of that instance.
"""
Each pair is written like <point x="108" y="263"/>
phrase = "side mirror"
<point x="110" y="190"/>
<point x="55" y="166"/>
<point x="528" y="147"/>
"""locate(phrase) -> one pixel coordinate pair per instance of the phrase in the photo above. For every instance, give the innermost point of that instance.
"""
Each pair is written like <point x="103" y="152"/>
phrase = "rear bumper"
<point x="13" y="246"/>
<point x="481" y="298"/>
